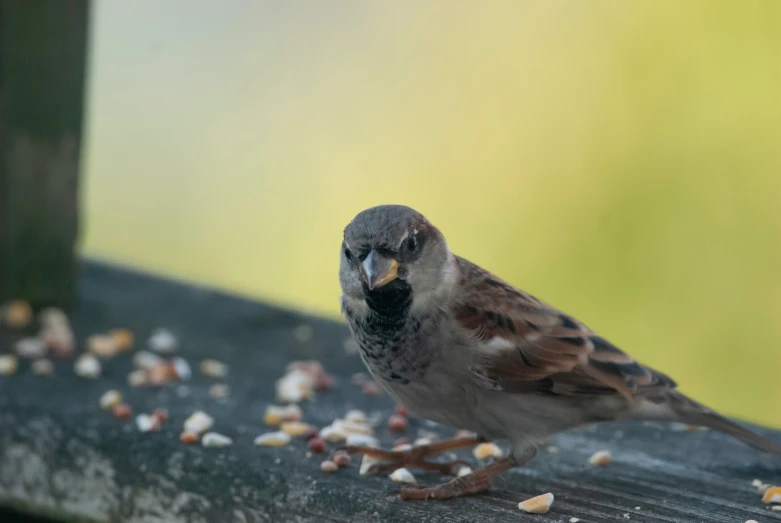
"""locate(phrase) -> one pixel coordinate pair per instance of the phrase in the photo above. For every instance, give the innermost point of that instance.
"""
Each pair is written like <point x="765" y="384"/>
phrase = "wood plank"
<point x="61" y="456"/>
<point x="43" y="49"/>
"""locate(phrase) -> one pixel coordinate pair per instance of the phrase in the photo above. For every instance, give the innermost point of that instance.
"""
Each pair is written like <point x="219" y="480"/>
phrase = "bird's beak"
<point x="378" y="270"/>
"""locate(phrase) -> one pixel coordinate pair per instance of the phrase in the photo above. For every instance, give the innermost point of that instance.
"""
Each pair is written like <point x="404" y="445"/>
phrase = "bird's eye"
<point x="411" y="244"/>
<point x="348" y="255"/>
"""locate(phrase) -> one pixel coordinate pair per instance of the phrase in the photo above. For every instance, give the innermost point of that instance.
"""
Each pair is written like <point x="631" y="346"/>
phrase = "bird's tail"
<point x="693" y="413"/>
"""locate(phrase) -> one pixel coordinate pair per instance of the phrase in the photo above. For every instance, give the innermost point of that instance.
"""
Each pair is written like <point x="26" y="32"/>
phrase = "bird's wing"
<point x="525" y="345"/>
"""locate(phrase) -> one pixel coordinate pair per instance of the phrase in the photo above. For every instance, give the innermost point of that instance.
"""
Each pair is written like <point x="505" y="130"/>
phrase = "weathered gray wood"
<point x="43" y="49"/>
<point x="60" y="455"/>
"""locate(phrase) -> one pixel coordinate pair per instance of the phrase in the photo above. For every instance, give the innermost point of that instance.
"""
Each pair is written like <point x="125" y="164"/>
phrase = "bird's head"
<point x="392" y="250"/>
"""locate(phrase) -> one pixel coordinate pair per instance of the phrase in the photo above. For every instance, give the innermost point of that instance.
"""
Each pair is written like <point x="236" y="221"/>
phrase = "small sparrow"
<point x="459" y="346"/>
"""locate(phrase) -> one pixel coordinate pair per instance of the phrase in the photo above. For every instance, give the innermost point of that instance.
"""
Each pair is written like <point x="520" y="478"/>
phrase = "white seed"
<point x="8" y="364"/>
<point x="275" y="415"/>
<point x="487" y="450"/>
<point x="332" y="433"/>
<point x="58" y="338"/>
<point x="356" y="416"/>
<point x="162" y="341"/>
<point x="776" y="508"/>
<point x="329" y="466"/>
<point x="53" y="317"/>
<point x="30" y="348"/>
<point x="214" y="368"/>
<point x="102" y="345"/>
<point x="552" y="449"/>
<point x="402" y="475"/>
<point x="422" y="441"/>
<point x="361" y="440"/>
<point x="295" y="428"/>
<point x="182" y="368"/>
<point x="137" y="378"/>
<point x="87" y="366"/>
<point x="538" y="504"/>
<point x="219" y="391"/>
<point x="747" y="521"/>
<point x="215" y="439"/>
<point x="464" y="471"/>
<point x="42" y="367"/>
<point x="352" y="427"/>
<point x="198" y="422"/>
<point x="146" y="360"/>
<point x="402" y="448"/>
<point x="272" y="439"/>
<point x="366" y="464"/>
<point x="756" y="483"/>
<point x="147" y="423"/>
<point x="295" y="386"/>
<point x="601" y="458"/>
<point x="574" y="520"/>
<point x="109" y="399"/>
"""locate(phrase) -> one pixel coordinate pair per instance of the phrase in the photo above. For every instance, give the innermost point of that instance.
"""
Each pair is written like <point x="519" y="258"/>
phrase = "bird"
<point x="457" y="345"/>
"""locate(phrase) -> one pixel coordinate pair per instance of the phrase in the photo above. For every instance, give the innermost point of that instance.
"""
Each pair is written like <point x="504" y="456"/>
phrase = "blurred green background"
<point x="621" y="160"/>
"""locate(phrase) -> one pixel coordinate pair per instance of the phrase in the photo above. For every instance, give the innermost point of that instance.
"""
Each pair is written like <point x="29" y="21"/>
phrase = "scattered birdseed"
<point x="188" y="438"/>
<point x="397" y="423"/>
<point x="422" y="441"/>
<point x="42" y="367"/>
<point x="357" y="416"/>
<point x="31" y="348"/>
<point x="538" y="504"/>
<point x="751" y="521"/>
<point x="181" y="369"/>
<point x="402" y="475"/>
<point x="8" y="364"/>
<point x="147" y="423"/>
<point x="401" y="410"/>
<point x="215" y="439"/>
<point x="102" y="345"/>
<point x="574" y="520"/>
<point x="59" y="338"/>
<point x="160" y="414"/>
<point x="487" y="450"/>
<point x="464" y="471"/>
<point x="361" y="440"/>
<point x="316" y="445"/>
<point x="332" y="433"/>
<point x="303" y="333"/>
<point x="160" y="374"/>
<point x="295" y="428"/>
<point x="366" y="465"/>
<point x="87" y="366"/>
<point x="137" y="378"/>
<point x="342" y="459"/>
<point x="122" y="411"/>
<point x="110" y="399"/>
<point x="465" y="434"/>
<point x="219" y="391"/>
<point x="17" y="314"/>
<point x="272" y="439"/>
<point x="601" y="458"/>
<point x="162" y="341"/>
<point x="371" y="388"/>
<point x="329" y="466"/>
<point x="123" y="338"/>
<point x="776" y="508"/>
<point x="214" y="368"/>
<point x="295" y="386"/>
<point x="146" y="360"/>
<point x="275" y="415"/>
<point x="772" y="495"/>
<point x="198" y="422"/>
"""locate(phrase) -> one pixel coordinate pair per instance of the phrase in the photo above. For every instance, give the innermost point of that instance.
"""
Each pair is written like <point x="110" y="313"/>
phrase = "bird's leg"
<point x="414" y="457"/>
<point x="477" y="481"/>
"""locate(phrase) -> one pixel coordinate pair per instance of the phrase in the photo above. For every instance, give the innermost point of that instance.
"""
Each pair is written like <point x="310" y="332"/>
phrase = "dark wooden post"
<point x="43" y="50"/>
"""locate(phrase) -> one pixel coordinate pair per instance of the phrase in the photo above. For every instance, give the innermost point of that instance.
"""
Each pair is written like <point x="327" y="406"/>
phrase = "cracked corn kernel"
<point x="402" y="475"/>
<point x="329" y="466"/>
<point x="601" y="458"/>
<point x="102" y="345"/>
<point x="772" y="495"/>
<point x="295" y="428"/>
<point x="538" y="504"/>
<point x="198" y="422"/>
<point x="487" y="450"/>
<point x="275" y="415"/>
<point x="18" y="314"/>
<point x="123" y="338"/>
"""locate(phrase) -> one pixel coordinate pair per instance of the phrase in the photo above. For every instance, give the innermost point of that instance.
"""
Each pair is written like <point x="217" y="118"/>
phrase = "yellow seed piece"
<point x="295" y="428"/>
<point x="601" y="458"/>
<point x="18" y="314"/>
<point x="123" y="338"/>
<point x="487" y="450"/>
<point x="772" y="495"/>
<point x="538" y="504"/>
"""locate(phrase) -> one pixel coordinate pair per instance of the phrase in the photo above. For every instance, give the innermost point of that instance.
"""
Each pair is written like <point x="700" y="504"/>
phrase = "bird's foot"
<point x="414" y="457"/>
<point x="477" y="481"/>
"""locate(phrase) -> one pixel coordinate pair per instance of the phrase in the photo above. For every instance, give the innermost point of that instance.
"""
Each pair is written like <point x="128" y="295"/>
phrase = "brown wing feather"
<point x="530" y="346"/>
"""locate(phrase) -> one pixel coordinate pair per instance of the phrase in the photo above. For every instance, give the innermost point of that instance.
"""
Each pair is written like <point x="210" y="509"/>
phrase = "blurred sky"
<point x="621" y="160"/>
